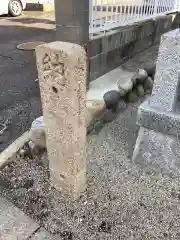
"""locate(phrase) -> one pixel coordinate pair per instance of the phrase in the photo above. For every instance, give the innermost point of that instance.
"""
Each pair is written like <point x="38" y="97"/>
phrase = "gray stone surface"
<point x="14" y="224"/>
<point x="158" y="120"/>
<point x="62" y="70"/>
<point x="167" y="72"/>
<point x="158" y="151"/>
<point x="158" y="143"/>
<point x="161" y="111"/>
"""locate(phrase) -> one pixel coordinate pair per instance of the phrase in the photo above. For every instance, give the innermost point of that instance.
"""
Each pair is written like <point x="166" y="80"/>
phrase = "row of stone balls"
<point x="139" y="85"/>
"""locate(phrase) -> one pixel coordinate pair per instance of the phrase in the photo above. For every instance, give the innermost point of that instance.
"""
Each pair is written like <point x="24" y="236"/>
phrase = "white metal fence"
<point x="108" y="14"/>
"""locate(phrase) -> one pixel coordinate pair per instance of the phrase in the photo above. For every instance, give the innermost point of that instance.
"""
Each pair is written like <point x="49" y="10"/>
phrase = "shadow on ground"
<point x="32" y="20"/>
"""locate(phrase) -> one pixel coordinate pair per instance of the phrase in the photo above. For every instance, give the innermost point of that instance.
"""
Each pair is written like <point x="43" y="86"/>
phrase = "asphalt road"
<point x="19" y="92"/>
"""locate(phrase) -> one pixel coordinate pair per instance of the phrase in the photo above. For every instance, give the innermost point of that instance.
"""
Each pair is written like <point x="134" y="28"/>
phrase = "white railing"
<point x="109" y="14"/>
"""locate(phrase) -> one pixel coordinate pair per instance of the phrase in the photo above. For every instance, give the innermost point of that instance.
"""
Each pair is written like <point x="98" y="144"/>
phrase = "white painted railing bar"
<point x="110" y="14"/>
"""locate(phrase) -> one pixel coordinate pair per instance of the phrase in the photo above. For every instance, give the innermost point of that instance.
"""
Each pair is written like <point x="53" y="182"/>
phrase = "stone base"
<point x="73" y="186"/>
<point x="158" y="152"/>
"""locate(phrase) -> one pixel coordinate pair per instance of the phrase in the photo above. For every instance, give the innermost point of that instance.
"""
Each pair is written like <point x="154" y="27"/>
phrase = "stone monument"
<point x="62" y="71"/>
<point x="158" y="144"/>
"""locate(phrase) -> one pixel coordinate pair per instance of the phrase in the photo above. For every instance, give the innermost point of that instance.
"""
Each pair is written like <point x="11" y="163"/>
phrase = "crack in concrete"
<point x="4" y="56"/>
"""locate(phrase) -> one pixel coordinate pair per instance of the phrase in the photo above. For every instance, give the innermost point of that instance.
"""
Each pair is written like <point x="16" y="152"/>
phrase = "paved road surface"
<point x="19" y="93"/>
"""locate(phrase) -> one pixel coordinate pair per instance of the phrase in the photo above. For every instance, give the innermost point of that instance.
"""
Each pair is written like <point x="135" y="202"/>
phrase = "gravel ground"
<point x="122" y="200"/>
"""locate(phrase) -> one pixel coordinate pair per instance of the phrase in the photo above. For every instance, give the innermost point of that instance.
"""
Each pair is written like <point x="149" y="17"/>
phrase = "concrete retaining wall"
<point x="109" y="51"/>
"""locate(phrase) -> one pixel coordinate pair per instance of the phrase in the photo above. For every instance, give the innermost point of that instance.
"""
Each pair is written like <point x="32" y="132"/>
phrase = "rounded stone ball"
<point x="111" y="99"/>
<point x="124" y="88"/>
<point x="141" y="75"/>
<point x="140" y="90"/>
<point x="148" y="84"/>
<point x="132" y="97"/>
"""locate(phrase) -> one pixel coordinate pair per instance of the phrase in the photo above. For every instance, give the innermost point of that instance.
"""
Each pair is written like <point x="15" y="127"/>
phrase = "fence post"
<point x="156" y="6"/>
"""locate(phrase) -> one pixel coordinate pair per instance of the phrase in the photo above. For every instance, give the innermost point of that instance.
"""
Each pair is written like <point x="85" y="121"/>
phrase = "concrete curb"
<point x="14" y="223"/>
<point x="44" y="7"/>
<point x="10" y="153"/>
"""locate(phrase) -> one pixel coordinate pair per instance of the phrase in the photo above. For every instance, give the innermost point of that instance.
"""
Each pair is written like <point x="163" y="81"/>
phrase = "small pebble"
<point x="124" y="88"/>
<point x="105" y="227"/>
<point x="8" y="121"/>
<point x="98" y="125"/>
<point x="22" y="152"/>
<point x="28" y="183"/>
<point x="67" y="235"/>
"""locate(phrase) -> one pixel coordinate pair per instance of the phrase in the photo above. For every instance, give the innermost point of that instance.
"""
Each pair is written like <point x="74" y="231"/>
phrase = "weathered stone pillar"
<point x="62" y="71"/>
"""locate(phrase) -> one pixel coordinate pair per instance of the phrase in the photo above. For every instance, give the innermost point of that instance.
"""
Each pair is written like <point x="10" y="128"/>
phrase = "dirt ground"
<point x="122" y="200"/>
